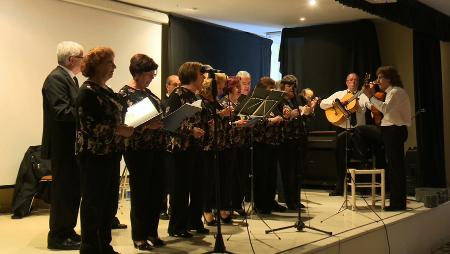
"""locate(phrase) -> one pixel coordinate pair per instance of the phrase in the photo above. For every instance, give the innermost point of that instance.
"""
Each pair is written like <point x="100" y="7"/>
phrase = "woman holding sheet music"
<point x="144" y="157"/>
<point x="185" y="144"/>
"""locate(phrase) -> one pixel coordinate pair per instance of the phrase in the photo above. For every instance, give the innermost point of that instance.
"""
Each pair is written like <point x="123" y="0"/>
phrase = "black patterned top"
<point x="208" y="123"/>
<point x="182" y="139"/>
<point x="266" y="133"/>
<point x="292" y="129"/>
<point x="143" y="138"/>
<point x="100" y="112"/>
<point x="236" y="136"/>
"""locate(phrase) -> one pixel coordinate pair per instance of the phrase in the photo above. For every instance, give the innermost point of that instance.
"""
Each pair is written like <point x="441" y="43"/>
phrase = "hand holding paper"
<point x="140" y="113"/>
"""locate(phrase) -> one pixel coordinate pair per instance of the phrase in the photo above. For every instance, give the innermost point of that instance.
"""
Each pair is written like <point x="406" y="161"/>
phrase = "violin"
<point x="376" y="114"/>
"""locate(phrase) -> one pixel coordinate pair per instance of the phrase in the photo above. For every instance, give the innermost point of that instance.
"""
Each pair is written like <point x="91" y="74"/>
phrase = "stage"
<point x="416" y="230"/>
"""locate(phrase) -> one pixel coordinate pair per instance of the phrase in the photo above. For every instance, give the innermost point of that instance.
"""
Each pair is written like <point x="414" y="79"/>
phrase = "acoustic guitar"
<point x="342" y="108"/>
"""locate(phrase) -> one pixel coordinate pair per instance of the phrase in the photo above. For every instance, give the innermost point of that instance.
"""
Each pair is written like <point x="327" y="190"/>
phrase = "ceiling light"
<point x="302" y="19"/>
<point x="312" y="2"/>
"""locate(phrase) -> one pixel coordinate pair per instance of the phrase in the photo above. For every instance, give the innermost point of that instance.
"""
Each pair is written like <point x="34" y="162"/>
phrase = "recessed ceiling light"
<point x="312" y="2"/>
<point x="192" y="9"/>
<point x="302" y="19"/>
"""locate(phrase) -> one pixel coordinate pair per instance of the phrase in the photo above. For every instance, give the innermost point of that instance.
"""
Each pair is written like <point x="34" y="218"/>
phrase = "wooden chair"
<point x="373" y="184"/>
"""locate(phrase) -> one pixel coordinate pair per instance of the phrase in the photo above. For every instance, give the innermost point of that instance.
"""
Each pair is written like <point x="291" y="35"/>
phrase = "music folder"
<point x="173" y="121"/>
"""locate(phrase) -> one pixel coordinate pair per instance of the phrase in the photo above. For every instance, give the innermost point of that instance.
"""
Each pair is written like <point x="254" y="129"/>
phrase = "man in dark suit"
<point x="58" y="144"/>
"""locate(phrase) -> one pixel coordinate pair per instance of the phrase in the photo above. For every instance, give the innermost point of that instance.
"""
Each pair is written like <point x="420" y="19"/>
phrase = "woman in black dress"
<point x="186" y="147"/>
<point x="100" y="132"/>
<point x="144" y="157"/>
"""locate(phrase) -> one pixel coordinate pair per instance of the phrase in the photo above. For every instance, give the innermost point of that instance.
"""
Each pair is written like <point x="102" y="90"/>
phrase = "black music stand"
<point x="256" y="107"/>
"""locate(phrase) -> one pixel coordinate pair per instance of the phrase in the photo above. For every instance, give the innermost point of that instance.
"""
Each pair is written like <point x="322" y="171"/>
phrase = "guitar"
<point x="342" y="108"/>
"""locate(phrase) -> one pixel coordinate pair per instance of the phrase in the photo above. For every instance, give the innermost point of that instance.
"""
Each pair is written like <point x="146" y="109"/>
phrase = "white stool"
<point x="353" y="183"/>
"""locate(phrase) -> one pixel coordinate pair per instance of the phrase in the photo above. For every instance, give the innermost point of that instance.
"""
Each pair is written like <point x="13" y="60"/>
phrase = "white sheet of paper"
<point x="140" y="113"/>
<point x="197" y="103"/>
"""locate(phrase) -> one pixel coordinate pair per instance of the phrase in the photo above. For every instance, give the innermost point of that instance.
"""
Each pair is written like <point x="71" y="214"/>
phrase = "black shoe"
<point x="335" y="193"/>
<point x="117" y="225"/>
<point x="66" y="244"/>
<point x="394" y="208"/>
<point x="201" y="230"/>
<point x="211" y="223"/>
<point x="279" y="208"/>
<point x="182" y="234"/>
<point x="227" y="220"/>
<point x="75" y="237"/>
<point x="164" y="216"/>
<point x="156" y="242"/>
<point x="143" y="246"/>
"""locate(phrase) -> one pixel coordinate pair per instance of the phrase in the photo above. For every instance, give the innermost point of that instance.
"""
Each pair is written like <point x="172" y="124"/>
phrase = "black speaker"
<point x="321" y="159"/>
<point x="414" y="176"/>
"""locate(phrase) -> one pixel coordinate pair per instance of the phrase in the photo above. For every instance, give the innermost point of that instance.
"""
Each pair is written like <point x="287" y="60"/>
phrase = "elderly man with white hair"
<point x="59" y="92"/>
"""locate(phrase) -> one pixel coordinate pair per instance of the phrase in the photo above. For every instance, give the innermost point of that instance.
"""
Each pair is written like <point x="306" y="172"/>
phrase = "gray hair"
<point x="243" y="74"/>
<point x="66" y="49"/>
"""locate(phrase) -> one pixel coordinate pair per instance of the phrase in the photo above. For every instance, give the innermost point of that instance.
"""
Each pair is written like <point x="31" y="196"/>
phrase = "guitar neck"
<point x="356" y="95"/>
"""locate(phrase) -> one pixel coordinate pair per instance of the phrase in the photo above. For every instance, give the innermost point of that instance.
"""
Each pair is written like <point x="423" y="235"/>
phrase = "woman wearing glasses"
<point x="144" y="157"/>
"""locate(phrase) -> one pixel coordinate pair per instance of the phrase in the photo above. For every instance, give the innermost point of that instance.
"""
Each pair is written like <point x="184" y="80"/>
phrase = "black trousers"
<point x="65" y="196"/>
<point x="209" y="181"/>
<point x="265" y="161"/>
<point x="394" y="138"/>
<point x="228" y="180"/>
<point x="147" y="183"/>
<point x="241" y="169"/>
<point x="225" y="179"/>
<point x="292" y="165"/>
<point x="100" y="193"/>
<point x="187" y="196"/>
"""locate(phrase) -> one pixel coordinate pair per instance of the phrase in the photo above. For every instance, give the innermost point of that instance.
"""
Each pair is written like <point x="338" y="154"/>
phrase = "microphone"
<point x="341" y="107"/>
<point x="208" y="69"/>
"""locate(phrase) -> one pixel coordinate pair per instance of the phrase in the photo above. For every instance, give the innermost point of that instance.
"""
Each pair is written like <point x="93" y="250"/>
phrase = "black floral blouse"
<point x="236" y="136"/>
<point x="208" y="123"/>
<point x="292" y="129"/>
<point x="269" y="134"/>
<point x="142" y="138"/>
<point x="182" y="139"/>
<point x="100" y="112"/>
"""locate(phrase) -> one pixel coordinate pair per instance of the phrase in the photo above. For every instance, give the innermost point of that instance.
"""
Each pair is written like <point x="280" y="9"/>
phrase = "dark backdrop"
<point x="429" y="112"/>
<point x="322" y="56"/>
<point x="223" y="48"/>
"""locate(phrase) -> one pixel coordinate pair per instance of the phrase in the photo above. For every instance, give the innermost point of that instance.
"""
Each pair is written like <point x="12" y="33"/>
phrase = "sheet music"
<point x="173" y="121"/>
<point x="140" y="113"/>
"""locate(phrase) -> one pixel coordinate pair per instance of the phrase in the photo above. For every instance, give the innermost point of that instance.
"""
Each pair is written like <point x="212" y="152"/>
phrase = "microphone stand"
<point x="219" y="246"/>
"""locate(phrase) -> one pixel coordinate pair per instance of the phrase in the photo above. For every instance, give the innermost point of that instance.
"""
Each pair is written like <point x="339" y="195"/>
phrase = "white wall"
<point x="30" y="31"/>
